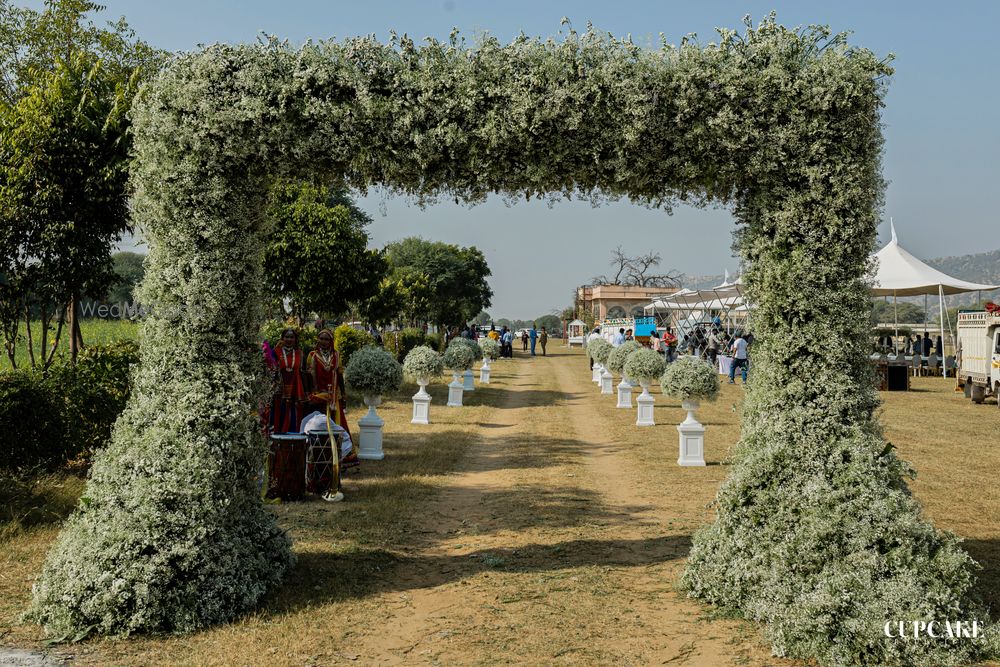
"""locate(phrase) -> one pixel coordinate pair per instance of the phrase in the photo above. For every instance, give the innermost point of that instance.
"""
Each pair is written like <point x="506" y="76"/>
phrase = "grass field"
<point x="535" y="525"/>
<point x="95" y="332"/>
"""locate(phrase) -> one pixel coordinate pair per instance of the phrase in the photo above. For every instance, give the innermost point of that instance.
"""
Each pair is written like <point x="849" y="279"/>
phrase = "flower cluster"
<point x="644" y="365"/>
<point x="691" y="378"/>
<point x="599" y="349"/>
<point x="422" y="363"/>
<point x="619" y="355"/>
<point x="373" y="371"/>
<point x="459" y="357"/>
<point x="489" y="347"/>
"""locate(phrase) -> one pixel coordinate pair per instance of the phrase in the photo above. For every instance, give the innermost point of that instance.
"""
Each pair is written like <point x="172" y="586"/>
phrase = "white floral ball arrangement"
<point x="619" y="355"/>
<point x="644" y="365"/>
<point x="599" y="349"/>
<point x="489" y="348"/>
<point x="374" y="371"/>
<point x="459" y="357"/>
<point x="691" y="379"/>
<point x="423" y="363"/>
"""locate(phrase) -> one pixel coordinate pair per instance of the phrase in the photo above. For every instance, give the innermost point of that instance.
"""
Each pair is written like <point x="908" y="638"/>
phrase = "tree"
<point x="482" y="319"/>
<point x="550" y="322"/>
<point x="883" y="311"/>
<point x="457" y="286"/>
<point x="65" y="90"/>
<point x="637" y="270"/>
<point x="317" y="256"/>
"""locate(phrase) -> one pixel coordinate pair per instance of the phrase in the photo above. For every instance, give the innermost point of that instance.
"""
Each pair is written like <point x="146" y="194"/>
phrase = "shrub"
<point x="459" y="357"/>
<point x="644" y="365"/>
<point x="271" y="332"/>
<point x="66" y="414"/>
<point x="423" y="363"/>
<point x="690" y="378"/>
<point x="599" y="350"/>
<point x="489" y="347"/>
<point x="407" y="339"/>
<point x="347" y="340"/>
<point x="374" y="371"/>
<point x="31" y="420"/>
<point x="619" y="355"/>
<point x="434" y="341"/>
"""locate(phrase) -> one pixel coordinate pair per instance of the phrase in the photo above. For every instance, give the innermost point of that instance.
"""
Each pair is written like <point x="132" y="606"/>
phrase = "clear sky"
<point x="942" y="136"/>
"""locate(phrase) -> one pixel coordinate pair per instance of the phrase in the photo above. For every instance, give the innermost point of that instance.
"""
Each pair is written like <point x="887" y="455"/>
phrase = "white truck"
<point x="979" y="354"/>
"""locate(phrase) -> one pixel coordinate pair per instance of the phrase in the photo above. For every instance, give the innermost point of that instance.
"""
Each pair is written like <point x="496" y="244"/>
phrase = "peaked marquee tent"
<point x="901" y="274"/>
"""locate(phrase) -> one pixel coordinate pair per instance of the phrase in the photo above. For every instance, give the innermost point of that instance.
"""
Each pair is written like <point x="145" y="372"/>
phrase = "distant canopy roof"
<point x="901" y="274"/>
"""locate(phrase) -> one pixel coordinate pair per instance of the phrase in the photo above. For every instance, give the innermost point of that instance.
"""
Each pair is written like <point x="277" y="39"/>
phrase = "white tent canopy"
<point x="901" y="274"/>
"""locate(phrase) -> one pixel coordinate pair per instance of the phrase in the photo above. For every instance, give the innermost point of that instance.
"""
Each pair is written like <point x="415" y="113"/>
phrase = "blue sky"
<point x="942" y="137"/>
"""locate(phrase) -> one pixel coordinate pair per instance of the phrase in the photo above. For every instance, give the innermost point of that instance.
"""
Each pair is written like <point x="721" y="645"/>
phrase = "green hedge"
<point x="401" y="342"/>
<point x="347" y="340"/>
<point x="67" y="413"/>
<point x="435" y="342"/>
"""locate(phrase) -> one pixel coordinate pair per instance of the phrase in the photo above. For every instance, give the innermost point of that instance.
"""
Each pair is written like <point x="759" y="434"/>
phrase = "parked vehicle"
<point x="979" y="354"/>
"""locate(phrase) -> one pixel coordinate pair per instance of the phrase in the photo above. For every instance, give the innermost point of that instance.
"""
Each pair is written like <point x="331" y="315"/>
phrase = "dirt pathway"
<point x="549" y="547"/>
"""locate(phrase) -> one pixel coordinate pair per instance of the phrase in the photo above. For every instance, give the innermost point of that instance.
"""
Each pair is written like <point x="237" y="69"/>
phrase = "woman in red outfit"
<point x="323" y="365"/>
<point x="286" y="408"/>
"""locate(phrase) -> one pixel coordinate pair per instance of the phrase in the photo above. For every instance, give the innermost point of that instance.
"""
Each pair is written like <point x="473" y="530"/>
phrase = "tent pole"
<point x="895" y="317"/>
<point x="944" y="370"/>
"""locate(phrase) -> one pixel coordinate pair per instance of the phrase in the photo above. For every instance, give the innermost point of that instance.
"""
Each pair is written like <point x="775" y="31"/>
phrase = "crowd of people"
<point x="914" y="344"/>
<point x="707" y="343"/>
<point x="530" y="338"/>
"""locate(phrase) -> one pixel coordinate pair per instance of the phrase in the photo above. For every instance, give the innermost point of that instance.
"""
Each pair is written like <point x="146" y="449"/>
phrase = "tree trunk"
<point x="75" y="335"/>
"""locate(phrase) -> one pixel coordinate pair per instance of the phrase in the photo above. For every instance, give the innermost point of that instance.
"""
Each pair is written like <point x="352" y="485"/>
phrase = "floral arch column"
<point x="816" y="535"/>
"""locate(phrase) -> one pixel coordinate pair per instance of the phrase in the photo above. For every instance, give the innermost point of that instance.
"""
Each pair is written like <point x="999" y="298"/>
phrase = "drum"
<point x="322" y="474"/>
<point x="286" y="466"/>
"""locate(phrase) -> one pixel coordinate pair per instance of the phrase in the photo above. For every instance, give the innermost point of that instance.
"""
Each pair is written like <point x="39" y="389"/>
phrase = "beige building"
<point x="614" y="301"/>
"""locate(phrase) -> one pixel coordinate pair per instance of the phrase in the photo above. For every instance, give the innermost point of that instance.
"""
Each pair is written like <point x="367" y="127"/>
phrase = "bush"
<point x="459" y="357"/>
<point x="347" y="340"/>
<point x="644" y="365"/>
<point x="434" y="341"/>
<point x="67" y="413"/>
<point x="401" y="342"/>
<point x="271" y="332"/>
<point x="490" y="348"/>
<point x="691" y="379"/>
<point x="423" y="363"/>
<point x="31" y="419"/>
<point x="619" y="355"/>
<point x="374" y="371"/>
<point x="599" y="350"/>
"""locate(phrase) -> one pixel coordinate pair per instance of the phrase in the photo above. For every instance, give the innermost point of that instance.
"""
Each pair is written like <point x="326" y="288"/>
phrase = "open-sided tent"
<point x="901" y="274"/>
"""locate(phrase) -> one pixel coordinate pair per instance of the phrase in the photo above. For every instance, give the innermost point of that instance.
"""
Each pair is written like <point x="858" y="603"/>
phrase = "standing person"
<point x="494" y="334"/>
<point x="938" y="347"/>
<point x="289" y="400"/>
<point x="507" y="339"/>
<point x="628" y="335"/>
<point x="619" y="337"/>
<point x="739" y="350"/>
<point x="926" y="345"/>
<point x="712" y="345"/>
<point x="534" y="338"/>
<point x="655" y="344"/>
<point x="524" y="340"/>
<point x="670" y="342"/>
<point x="543" y="338"/>
<point x="594" y="335"/>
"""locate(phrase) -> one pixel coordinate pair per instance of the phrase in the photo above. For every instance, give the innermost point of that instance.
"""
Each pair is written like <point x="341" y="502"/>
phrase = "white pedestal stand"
<point x="624" y="393"/>
<point x="469" y="385"/>
<point x="596" y="375"/>
<point x="455" y="392"/>
<point x="692" y="438"/>
<point x="645" y="402"/>
<point x="607" y="381"/>
<point x="370" y="447"/>
<point x="421" y="404"/>
<point x="484" y="372"/>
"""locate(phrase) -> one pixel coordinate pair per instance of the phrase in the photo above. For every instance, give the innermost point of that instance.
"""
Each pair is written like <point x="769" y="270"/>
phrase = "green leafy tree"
<point x="318" y="256"/>
<point x="482" y="319"/>
<point x="550" y="322"/>
<point x="66" y="86"/>
<point x="883" y="311"/>
<point x="457" y="278"/>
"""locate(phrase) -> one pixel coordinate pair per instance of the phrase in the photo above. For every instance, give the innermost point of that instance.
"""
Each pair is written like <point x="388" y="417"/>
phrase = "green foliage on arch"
<point x="816" y="534"/>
